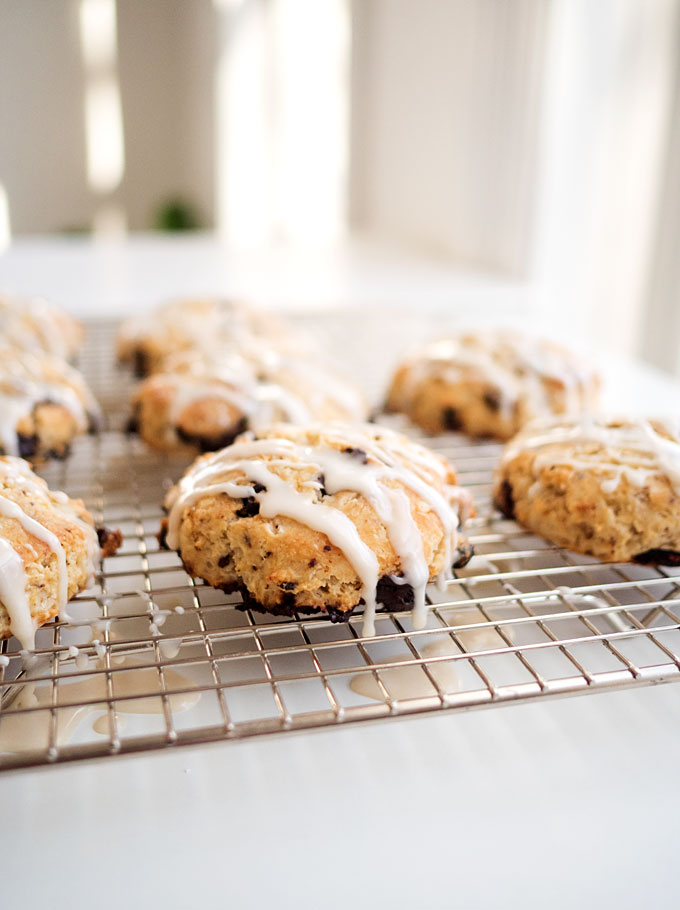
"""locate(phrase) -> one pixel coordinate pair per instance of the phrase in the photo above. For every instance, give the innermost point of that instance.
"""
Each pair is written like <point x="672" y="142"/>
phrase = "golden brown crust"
<point x="571" y="494"/>
<point x="283" y="565"/>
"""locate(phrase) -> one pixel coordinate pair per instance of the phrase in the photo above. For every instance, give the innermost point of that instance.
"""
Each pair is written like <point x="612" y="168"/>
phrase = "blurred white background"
<point x="537" y="140"/>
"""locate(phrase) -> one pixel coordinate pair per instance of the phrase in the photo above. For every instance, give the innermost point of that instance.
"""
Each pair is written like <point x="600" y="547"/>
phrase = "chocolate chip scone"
<point x="49" y="550"/>
<point x="321" y="518"/>
<point x="489" y="384"/>
<point x="206" y="401"/>
<point x="36" y="325"/>
<point x="605" y="488"/>
<point x="146" y="341"/>
<point x="44" y="404"/>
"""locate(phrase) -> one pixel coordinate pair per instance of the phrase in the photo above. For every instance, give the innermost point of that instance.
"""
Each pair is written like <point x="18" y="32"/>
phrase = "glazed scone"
<point x="44" y="404"/>
<point x="146" y="341"/>
<point x="606" y="488"/>
<point x="49" y="550"/>
<point x="321" y="518"/>
<point x="208" y="400"/>
<point x="489" y="384"/>
<point x="36" y="325"/>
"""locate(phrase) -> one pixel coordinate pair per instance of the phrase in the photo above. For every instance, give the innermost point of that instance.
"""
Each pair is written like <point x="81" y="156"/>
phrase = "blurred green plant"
<point x="176" y="214"/>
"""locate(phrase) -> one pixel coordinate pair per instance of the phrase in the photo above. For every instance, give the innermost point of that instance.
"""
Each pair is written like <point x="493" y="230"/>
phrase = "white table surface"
<point x="561" y="803"/>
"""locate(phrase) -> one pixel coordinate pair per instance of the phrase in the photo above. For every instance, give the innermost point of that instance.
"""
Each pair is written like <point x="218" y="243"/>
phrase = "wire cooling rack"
<point x="153" y="659"/>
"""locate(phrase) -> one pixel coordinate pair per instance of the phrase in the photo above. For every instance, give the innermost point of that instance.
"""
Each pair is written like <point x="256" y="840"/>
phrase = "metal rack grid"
<point x="153" y="659"/>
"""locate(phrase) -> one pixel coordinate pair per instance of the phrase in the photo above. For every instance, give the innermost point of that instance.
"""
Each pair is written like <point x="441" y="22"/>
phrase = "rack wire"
<point x="153" y="659"/>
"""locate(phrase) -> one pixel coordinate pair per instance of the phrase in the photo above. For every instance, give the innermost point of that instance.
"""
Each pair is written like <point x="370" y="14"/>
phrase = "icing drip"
<point x="13" y="595"/>
<point x="377" y="474"/>
<point x="636" y="450"/>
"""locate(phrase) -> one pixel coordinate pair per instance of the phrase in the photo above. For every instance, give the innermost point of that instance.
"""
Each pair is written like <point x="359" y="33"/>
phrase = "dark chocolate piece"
<point x="213" y="443"/>
<point x="28" y="445"/>
<point x="354" y="452"/>
<point x="288" y="607"/>
<point x="140" y="363"/>
<point x="392" y="595"/>
<point x="492" y="400"/>
<point x="250" y="507"/>
<point x="465" y="551"/>
<point x="162" y="536"/>
<point x="109" y="540"/>
<point x="504" y="500"/>
<point x="451" y="419"/>
<point x="224" y="561"/>
<point x="659" y="556"/>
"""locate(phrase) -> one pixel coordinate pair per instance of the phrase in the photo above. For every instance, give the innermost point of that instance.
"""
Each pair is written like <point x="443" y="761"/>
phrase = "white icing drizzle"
<point x="26" y="380"/>
<point x="13" y="595"/>
<point x="634" y="449"/>
<point x="13" y="582"/>
<point x="514" y="364"/>
<point x="262" y="383"/>
<point x="371" y="466"/>
<point x="34" y="324"/>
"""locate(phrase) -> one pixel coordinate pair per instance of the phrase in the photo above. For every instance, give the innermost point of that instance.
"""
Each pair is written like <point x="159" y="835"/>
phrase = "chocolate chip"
<point x="286" y="606"/>
<point x="212" y="443"/>
<point x="259" y="488"/>
<point x="354" y="452"/>
<point x="311" y="563"/>
<point x="28" y="445"/>
<point x="464" y="553"/>
<point x="109" y="540"/>
<point x="94" y="423"/>
<point x="392" y="595"/>
<point x="327" y="547"/>
<point x="162" y="536"/>
<point x="492" y="400"/>
<point x="132" y="425"/>
<point x="288" y="585"/>
<point x="321" y="480"/>
<point x="140" y="363"/>
<point x="250" y="507"/>
<point x="224" y="561"/>
<point x="659" y="556"/>
<point x="451" y="419"/>
<point x="504" y="500"/>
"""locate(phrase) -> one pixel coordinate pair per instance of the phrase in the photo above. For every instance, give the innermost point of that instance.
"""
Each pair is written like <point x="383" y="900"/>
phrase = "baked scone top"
<point x="33" y="518"/>
<point x="264" y="384"/>
<point x="284" y="468"/>
<point x="28" y="379"/>
<point x="636" y="450"/>
<point x="34" y="324"/>
<point x="191" y="325"/>
<point x="519" y="367"/>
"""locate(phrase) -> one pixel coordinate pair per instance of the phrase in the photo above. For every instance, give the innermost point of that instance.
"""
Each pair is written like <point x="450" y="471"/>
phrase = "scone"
<point x="489" y="384"/>
<point x="147" y="340"/>
<point x="44" y="404"/>
<point x="605" y="488"/>
<point x="321" y="518"/>
<point x="209" y="399"/>
<point x="49" y="550"/>
<point x="33" y="324"/>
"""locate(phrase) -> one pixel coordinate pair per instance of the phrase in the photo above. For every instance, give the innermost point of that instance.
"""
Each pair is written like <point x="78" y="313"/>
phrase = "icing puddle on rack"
<point x="29" y="731"/>
<point x="411" y="681"/>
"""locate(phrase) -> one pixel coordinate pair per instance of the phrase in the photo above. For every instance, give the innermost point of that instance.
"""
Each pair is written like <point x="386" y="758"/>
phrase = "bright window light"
<point x="103" y="118"/>
<point x="5" y="229"/>
<point x="282" y="115"/>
